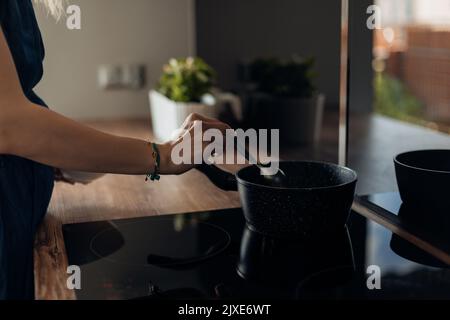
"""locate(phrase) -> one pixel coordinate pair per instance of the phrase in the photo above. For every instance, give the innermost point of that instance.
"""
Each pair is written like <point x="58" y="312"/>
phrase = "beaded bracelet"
<point x="157" y="159"/>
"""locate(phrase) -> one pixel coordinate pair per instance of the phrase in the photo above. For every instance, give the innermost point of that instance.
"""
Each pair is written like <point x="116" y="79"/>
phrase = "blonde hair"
<point x="54" y="7"/>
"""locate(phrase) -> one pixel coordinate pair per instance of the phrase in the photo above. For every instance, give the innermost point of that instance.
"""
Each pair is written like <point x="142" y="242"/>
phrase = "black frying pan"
<point x="315" y="200"/>
<point x="423" y="179"/>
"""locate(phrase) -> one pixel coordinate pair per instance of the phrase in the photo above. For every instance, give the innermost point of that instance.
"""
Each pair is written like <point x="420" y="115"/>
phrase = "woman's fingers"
<point x="203" y="125"/>
<point x="186" y="125"/>
<point x="206" y="119"/>
<point x="202" y="147"/>
<point x="197" y="117"/>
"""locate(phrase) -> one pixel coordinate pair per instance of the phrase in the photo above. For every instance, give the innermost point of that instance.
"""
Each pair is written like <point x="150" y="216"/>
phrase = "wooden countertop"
<point x="115" y="197"/>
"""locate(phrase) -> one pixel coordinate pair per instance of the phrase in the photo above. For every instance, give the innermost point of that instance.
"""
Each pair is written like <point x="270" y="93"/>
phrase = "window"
<point x="412" y="62"/>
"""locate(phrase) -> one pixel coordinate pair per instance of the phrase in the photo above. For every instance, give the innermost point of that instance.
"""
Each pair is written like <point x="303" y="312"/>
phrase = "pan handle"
<point x="221" y="179"/>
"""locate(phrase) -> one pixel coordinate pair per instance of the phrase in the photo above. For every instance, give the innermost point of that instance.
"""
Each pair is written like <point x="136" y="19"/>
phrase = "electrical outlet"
<point x="110" y="76"/>
<point x="133" y="76"/>
<point x="130" y="76"/>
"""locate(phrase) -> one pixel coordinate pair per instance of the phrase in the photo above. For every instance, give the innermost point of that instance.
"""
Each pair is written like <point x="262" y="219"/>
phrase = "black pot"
<point x="423" y="179"/>
<point x="283" y="262"/>
<point x="315" y="202"/>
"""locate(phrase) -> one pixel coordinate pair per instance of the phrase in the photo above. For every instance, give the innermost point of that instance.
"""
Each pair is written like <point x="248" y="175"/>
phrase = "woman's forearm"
<point x="39" y="134"/>
<point x="36" y="133"/>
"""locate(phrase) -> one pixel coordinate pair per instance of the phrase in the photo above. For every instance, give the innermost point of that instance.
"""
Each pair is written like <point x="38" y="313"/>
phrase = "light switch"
<point x="133" y="76"/>
<point x="110" y="77"/>
<point x="129" y="76"/>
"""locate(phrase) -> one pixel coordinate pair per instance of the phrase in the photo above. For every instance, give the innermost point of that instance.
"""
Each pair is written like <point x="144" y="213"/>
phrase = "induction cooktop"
<point x="429" y="226"/>
<point x="215" y="255"/>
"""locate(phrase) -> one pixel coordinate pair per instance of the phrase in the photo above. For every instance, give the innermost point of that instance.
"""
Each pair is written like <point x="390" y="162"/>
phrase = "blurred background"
<point x="114" y="33"/>
<point x="411" y="61"/>
<point x="264" y="64"/>
<point x="410" y="109"/>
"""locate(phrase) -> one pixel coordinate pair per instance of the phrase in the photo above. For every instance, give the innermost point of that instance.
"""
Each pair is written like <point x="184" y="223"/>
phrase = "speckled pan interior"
<point x="303" y="175"/>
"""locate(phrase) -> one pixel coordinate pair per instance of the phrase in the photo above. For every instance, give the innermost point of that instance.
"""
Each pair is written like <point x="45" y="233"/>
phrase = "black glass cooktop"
<point x="430" y="226"/>
<point x="214" y="255"/>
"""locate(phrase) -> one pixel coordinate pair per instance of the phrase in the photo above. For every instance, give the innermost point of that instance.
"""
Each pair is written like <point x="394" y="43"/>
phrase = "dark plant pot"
<point x="299" y="120"/>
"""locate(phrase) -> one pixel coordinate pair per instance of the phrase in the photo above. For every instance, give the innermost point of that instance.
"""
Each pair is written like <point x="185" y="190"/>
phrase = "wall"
<point x="113" y="31"/>
<point x="361" y="46"/>
<point x="229" y="31"/>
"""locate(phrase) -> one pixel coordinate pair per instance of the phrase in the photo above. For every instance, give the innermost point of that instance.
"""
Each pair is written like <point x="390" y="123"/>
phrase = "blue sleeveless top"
<point x="25" y="186"/>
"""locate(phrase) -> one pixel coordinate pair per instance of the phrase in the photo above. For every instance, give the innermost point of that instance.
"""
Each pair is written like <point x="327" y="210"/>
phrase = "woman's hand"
<point x="194" y="124"/>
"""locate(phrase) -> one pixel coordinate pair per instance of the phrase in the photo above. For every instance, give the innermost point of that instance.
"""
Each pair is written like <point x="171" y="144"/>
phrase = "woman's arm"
<point x="39" y="134"/>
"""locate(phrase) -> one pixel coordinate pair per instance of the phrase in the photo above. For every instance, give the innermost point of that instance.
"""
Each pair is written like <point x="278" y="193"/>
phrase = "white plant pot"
<point x="168" y="116"/>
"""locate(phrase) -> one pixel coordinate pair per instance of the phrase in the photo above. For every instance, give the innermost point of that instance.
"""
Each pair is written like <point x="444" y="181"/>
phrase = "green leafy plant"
<point x="393" y="99"/>
<point x="292" y="78"/>
<point x="186" y="79"/>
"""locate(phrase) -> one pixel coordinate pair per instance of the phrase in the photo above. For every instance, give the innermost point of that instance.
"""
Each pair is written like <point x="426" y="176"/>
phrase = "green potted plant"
<point x="185" y="86"/>
<point x="284" y="97"/>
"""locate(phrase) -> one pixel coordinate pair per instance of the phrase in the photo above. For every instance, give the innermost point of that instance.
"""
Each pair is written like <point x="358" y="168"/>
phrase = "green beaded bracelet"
<point x="157" y="159"/>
